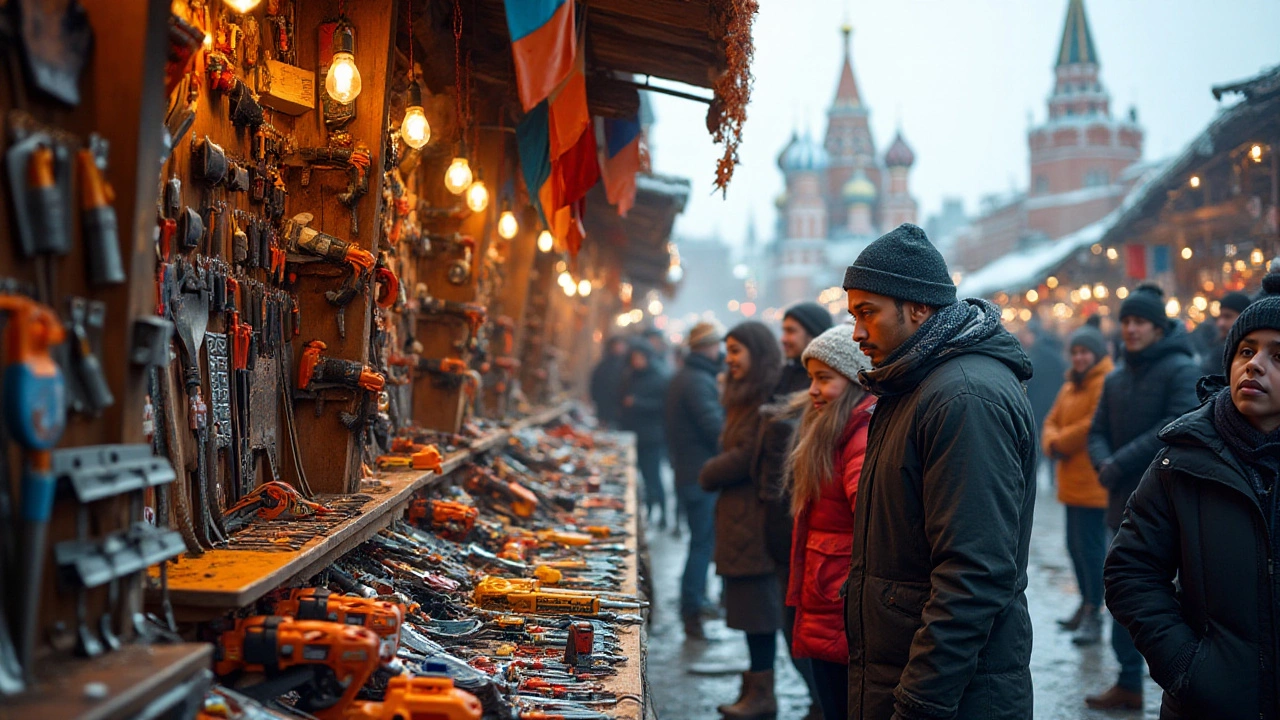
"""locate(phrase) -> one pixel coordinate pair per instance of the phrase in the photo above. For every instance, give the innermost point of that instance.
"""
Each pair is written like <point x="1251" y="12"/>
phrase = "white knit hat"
<point x="837" y="349"/>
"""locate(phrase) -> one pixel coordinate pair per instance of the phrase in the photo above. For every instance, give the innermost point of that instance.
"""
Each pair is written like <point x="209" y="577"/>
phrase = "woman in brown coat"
<point x="752" y="595"/>
<point x="1065" y="439"/>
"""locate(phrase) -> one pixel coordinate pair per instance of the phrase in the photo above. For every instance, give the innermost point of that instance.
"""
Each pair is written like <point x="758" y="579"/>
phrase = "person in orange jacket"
<point x="1065" y="440"/>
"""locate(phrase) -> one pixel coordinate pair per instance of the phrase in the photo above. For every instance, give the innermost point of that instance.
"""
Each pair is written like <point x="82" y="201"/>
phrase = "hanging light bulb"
<point x="414" y="129"/>
<point x="242" y="6"/>
<point x="458" y="177"/>
<point x="342" y="82"/>
<point x="571" y="289"/>
<point x="564" y="280"/>
<point x="508" y="226"/>
<point x="545" y="241"/>
<point x="477" y="196"/>
<point x="584" y="287"/>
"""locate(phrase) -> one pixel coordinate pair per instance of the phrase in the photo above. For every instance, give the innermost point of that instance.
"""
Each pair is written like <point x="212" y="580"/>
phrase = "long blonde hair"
<point x="811" y="462"/>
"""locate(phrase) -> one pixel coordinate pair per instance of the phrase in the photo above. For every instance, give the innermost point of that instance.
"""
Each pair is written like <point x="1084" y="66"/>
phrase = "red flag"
<point x="1135" y="256"/>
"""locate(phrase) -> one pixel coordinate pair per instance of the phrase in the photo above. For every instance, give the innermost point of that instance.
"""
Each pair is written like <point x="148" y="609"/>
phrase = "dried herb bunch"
<point x="728" y="113"/>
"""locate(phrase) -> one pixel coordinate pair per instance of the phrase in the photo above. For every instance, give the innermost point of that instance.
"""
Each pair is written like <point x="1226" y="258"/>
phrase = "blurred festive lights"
<point x="545" y="241"/>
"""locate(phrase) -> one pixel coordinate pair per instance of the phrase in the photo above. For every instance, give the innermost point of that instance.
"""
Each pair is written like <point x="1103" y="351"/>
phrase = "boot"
<point x="1090" y="630"/>
<point x="1115" y="698"/>
<point x="757" y="702"/>
<point x="1072" y="623"/>
<point x="693" y="628"/>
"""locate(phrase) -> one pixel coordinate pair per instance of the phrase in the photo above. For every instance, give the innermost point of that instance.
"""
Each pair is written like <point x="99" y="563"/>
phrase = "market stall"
<point x="297" y="299"/>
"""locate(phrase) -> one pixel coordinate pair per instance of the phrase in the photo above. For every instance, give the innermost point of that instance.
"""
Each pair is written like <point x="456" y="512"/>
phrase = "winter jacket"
<point x="1065" y="437"/>
<point x="821" y="546"/>
<point x="606" y="389"/>
<point x="1212" y="642"/>
<point x="694" y="417"/>
<point x="936" y="609"/>
<point x="740" y="547"/>
<point x="1142" y="395"/>
<point x="773" y="445"/>
<point x="647" y="389"/>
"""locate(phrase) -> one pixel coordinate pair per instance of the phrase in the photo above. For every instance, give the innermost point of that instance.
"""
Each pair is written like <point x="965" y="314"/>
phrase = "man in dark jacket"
<point x="694" y="419"/>
<point x="936" y="610"/>
<point x="1206" y="512"/>
<point x="1154" y="384"/>
<point x="644" y="392"/>
<point x="801" y="323"/>
<point x="1229" y="308"/>
<point x="606" y="382"/>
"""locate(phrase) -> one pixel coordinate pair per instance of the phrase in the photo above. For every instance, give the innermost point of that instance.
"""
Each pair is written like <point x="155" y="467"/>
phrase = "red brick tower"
<point x="1079" y="153"/>
<point x="897" y="205"/>
<point x="848" y="141"/>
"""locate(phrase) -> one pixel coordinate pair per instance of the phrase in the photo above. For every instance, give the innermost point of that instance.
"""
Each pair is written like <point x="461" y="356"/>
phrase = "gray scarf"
<point x="955" y="327"/>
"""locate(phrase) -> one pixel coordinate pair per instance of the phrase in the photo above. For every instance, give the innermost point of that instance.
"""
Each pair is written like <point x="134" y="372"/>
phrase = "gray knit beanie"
<point x="1147" y="302"/>
<point x="904" y="265"/>
<point x="836" y="348"/>
<point x="1089" y="338"/>
<point x="1263" y="313"/>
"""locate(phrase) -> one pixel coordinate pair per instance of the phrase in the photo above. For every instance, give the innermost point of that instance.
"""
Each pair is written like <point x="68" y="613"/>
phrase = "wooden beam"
<point x="612" y="98"/>
<point x="692" y="14"/>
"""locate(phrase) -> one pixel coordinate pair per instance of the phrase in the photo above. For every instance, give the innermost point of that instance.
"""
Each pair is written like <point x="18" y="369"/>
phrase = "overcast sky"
<point x="961" y="77"/>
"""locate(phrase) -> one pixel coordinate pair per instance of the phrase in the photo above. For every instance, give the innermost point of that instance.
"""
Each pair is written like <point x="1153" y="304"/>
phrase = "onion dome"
<point x="899" y="154"/>
<point x="859" y="189"/>
<point x="802" y="154"/>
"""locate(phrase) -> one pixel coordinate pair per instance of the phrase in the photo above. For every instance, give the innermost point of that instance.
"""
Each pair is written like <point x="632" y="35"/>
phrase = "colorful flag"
<point x="569" y="117"/>
<point x="1161" y="260"/>
<point x="543" y="45"/>
<point x="534" y="146"/>
<point x="1135" y="261"/>
<point x="621" y="161"/>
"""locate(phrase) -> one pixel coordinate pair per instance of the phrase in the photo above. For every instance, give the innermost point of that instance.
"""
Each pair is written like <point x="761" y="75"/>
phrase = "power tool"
<point x="448" y="519"/>
<point x="383" y="618"/>
<point x="271" y="501"/>
<point x="424" y="697"/>
<point x="345" y="373"/>
<point x="326" y="663"/>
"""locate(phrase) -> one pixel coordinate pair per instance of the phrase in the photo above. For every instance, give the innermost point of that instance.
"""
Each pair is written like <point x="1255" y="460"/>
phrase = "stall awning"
<point x="638" y="242"/>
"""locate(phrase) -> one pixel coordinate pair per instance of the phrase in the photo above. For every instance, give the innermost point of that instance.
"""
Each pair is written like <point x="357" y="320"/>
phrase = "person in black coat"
<point x="644" y="392"/>
<point x="694" y="421"/>
<point x="1154" y="384"/>
<point x="801" y="323"/>
<point x="1211" y="350"/>
<point x="606" y="382"/>
<point x="1206" y="512"/>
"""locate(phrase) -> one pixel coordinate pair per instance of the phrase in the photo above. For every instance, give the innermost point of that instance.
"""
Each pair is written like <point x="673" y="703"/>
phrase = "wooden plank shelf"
<point x="128" y="680"/>
<point x="202" y="588"/>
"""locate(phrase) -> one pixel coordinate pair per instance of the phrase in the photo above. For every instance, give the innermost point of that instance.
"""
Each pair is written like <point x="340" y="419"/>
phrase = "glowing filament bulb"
<point x="507" y="225"/>
<point x="545" y="241"/>
<point x="414" y="129"/>
<point x="584" y="287"/>
<point x="242" y="6"/>
<point x="458" y="177"/>
<point x="477" y="196"/>
<point x="342" y="82"/>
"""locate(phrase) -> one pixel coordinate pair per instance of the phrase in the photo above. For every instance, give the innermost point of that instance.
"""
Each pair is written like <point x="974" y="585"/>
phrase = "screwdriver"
<point x="35" y="412"/>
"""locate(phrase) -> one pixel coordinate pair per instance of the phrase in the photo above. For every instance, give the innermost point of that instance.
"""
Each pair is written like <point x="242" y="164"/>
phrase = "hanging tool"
<point x="342" y="297"/>
<point x="98" y="227"/>
<point x="95" y="394"/>
<point x="324" y="245"/>
<point x="35" y="415"/>
<point x="335" y="371"/>
<point x="191" y="318"/>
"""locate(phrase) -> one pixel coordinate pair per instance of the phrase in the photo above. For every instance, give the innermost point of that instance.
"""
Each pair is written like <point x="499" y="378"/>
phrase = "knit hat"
<point x="837" y="348"/>
<point x="1237" y="301"/>
<point x="1147" y="302"/>
<point x="1090" y="339"/>
<point x="1263" y="313"/>
<point x="904" y="265"/>
<point x="814" y="318"/>
<point x="705" y="333"/>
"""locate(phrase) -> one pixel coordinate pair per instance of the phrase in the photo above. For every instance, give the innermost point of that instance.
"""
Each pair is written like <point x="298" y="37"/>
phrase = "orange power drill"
<point x="383" y="618"/>
<point x="448" y="519"/>
<point x="425" y="697"/>
<point x="342" y="658"/>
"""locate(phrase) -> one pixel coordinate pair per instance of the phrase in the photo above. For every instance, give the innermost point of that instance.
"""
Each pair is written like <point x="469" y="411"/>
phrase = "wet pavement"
<point x="689" y="679"/>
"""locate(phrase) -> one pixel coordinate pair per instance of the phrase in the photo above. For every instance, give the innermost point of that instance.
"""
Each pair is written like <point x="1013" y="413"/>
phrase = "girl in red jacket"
<point x="822" y="473"/>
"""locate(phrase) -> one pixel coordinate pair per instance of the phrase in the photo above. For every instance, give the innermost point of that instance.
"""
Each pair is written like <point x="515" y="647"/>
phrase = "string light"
<point x="570" y="289"/>
<point x="458" y="177"/>
<point x="477" y="196"/>
<point x="1195" y="181"/>
<point x="242" y="6"/>
<point x="414" y="129"/>
<point x="508" y="226"/>
<point x="545" y="241"/>
<point x="1051" y="282"/>
<point x="342" y="82"/>
<point x="1187" y="253"/>
<point x="584" y="287"/>
<point x="1032" y="296"/>
<point x="565" y="279"/>
<point x="1255" y="152"/>
<point x="1112" y="254"/>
